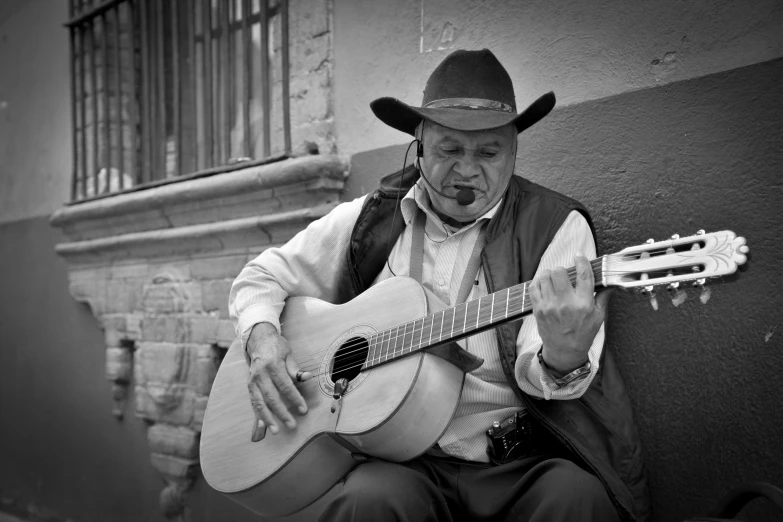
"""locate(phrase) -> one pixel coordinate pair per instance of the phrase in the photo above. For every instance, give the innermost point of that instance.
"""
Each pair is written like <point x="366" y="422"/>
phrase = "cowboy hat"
<point x="469" y="91"/>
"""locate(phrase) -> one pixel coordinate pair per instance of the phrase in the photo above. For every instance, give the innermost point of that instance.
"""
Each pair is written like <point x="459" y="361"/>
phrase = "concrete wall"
<point x="35" y="142"/>
<point x="581" y="50"/>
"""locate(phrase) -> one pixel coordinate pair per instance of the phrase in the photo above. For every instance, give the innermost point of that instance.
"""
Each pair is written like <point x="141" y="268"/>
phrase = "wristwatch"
<point x="569" y="377"/>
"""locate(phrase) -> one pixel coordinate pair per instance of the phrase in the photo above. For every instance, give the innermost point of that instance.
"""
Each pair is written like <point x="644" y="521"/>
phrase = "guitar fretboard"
<point x="452" y="324"/>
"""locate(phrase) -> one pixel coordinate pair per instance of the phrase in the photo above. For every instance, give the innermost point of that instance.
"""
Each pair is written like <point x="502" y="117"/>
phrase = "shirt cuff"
<point x="258" y="313"/>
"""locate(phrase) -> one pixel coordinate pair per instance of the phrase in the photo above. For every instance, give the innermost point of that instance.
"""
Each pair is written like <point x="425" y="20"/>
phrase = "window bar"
<point x="175" y="87"/>
<point x="265" y="87"/>
<point x="220" y="83"/>
<point x="191" y="39"/>
<point x="206" y="29"/>
<point x="247" y="75"/>
<point x="105" y="103"/>
<point x="160" y="134"/>
<point x="230" y="15"/>
<point x="94" y="95"/>
<point x="146" y="93"/>
<point x="285" y="78"/>
<point x="118" y="94"/>
<point x="83" y="107"/>
<point x="132" y="100"/>
<point x="74" y="122"/>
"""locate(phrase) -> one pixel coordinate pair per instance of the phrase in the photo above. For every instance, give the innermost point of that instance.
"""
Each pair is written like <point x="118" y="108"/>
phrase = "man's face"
<point x="482" y="161"/>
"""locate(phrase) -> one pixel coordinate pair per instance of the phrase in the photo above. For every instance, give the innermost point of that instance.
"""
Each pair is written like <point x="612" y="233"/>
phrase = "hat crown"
<point x="470" y="74"/>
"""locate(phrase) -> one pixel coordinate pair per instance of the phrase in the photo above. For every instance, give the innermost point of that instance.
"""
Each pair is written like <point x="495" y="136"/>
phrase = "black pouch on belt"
<point x="512" y="438"/>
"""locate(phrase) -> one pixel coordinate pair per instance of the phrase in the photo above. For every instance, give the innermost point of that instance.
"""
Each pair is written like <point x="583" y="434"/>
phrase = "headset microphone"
<point x="464" y="197"/>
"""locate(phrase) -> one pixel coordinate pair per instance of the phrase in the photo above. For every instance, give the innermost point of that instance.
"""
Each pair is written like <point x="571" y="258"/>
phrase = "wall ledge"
<point x="254" y="179"/>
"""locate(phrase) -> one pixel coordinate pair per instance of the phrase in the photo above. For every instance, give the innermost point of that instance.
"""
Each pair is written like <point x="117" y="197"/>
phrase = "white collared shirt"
<point x="309" y="264"/>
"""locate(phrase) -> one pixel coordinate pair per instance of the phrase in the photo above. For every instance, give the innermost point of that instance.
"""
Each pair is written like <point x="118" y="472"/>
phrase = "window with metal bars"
<point x="166" y="90"/>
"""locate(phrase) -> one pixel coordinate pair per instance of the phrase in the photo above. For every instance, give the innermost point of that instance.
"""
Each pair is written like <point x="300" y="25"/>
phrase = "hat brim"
<point x="405" y="118"/>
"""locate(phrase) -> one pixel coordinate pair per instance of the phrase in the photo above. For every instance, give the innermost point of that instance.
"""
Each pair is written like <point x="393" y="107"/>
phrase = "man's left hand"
<point x="568" y="316"/>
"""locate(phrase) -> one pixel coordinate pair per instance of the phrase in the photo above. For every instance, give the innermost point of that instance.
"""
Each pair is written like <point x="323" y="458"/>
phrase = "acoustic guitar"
<point x="387" y="373"/>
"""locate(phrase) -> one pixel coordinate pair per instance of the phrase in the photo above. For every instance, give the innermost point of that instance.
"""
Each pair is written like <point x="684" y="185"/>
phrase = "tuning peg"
<point x="678" y="294"/>
<point x="676" y="236"/>
<point x="706" y="292"/>
<point x="700" y="232"/>
<point x="650" y="291"/>
<point x="650" y="241"/>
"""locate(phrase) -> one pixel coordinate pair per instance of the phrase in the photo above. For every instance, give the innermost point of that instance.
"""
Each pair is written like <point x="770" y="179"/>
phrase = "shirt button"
<point x="441" y="282"/>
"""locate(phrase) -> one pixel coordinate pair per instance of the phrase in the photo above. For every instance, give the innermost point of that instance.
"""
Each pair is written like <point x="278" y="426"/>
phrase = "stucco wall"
<point x="35" y="142"/>
<point x="581" y="50"/>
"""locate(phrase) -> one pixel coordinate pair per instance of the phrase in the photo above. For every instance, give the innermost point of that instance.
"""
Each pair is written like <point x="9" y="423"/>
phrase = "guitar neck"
<point x="458" y="322"/>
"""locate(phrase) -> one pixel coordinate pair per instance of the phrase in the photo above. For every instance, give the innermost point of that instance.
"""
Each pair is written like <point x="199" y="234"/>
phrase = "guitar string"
<point x="393" y="339"/>
<point x="395" y="353"/>
<point x="396" y="336"/>
<point x="347" y="348"/>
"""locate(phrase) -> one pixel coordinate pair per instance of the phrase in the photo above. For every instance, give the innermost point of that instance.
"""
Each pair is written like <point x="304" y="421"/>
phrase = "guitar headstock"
<point x="678" y="260"/>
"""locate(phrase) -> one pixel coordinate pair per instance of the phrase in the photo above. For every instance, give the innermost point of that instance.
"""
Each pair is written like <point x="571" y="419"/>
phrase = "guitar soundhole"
<point x="349" y="358"/>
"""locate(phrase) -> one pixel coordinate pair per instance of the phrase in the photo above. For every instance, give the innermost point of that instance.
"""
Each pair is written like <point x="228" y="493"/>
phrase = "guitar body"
<point x="395" y="411"/>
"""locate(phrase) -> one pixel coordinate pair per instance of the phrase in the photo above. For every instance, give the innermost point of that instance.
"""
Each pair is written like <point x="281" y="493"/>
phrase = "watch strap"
<point x="569" y="377"/>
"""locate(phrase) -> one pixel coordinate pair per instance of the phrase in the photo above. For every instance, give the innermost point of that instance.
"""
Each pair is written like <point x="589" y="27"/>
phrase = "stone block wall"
<point x="156" y="268"/>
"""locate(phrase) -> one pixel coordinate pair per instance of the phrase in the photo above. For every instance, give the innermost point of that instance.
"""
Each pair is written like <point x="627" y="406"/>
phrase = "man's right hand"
<point x="273" y="371"/>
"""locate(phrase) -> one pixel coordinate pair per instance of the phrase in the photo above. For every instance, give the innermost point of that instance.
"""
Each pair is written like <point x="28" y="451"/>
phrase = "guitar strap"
<point x="417" y="257"/>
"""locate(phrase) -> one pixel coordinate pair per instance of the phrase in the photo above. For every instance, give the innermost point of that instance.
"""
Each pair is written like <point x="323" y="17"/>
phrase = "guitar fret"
<point x="478" y="313"/>
<point x="442" y="316"/>
<point x="421" y="334"/>
<point x="393" y="347"/>
<point x="492" y="308"/>
<point x="508" y="294"/>
<point x="465" y="322"/>
<point x="432" y="324"/>
<point x="379" y="352"/>
<point x="370" y="351"/>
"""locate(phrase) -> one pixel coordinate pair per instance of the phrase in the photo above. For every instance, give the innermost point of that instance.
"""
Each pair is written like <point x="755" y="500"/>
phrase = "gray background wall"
<point x="652" y="149"/>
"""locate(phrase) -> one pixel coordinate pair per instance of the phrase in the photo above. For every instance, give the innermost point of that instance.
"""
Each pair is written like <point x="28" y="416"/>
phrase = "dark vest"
<point x="597" y="428"/>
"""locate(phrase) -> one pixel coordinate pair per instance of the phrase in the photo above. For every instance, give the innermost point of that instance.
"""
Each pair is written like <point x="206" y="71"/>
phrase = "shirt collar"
<point x="418" y="198"/>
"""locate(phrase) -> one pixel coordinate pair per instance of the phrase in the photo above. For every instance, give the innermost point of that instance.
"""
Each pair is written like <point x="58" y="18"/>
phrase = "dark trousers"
<point x="434" y="489"/>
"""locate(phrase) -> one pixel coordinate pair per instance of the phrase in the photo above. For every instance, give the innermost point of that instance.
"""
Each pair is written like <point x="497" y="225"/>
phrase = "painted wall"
<point x="35" y="142"/>
<point x="580" y="50"/>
